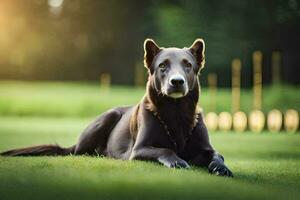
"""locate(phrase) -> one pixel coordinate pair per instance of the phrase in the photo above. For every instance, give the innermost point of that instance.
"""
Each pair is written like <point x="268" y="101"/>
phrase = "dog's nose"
<point x="177" y="80"/>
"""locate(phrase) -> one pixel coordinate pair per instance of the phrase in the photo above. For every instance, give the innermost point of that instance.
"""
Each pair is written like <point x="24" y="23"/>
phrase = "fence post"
<point x="105" y="80"/>
<point x="211" y="118"/>
<point x="139" y="74"/>
<point x="276" y="61"/>
<point x="239" y="118"/>
<point x="257" y="117"/>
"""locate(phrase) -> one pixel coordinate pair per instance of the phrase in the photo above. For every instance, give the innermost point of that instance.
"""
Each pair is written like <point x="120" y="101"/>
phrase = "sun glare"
<point x="55" y="6"/>
<point x="55" y="3"/>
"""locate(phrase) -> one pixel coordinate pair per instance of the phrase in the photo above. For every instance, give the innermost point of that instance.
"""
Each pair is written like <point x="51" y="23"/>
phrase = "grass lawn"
<point x="266" y="166"/>
<point x="71" y="99"/>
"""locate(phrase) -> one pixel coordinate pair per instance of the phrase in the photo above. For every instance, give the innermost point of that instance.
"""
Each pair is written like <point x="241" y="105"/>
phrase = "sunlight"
<point x="55" y="3"/>
<point x="55" y="6"/>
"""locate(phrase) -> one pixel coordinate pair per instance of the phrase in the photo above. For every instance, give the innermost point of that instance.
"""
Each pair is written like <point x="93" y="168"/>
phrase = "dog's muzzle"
<point x="177" y="86"/>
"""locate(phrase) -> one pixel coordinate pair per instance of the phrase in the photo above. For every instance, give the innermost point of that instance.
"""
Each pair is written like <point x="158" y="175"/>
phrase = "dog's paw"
<point x="174" y="162"/>
<point x="219" y="169"/>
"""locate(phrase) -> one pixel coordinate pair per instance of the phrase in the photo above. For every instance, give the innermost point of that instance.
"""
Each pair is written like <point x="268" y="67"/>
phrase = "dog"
<point x="165" y="126"/>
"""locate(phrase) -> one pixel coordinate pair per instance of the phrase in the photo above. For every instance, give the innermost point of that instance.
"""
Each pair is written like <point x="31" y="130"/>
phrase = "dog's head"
<point x="174" y="71"/>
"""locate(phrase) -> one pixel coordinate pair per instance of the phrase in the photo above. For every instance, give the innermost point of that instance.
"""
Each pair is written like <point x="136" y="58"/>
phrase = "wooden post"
<point x="291" y="120"/>
<point x="274" y="118"/>
<point x="239" y="118"/>
<point x="257" y="80"/>
<point x="211" y="118"/>
<point x="274" y="121"/>
<point x="105" y="80"/>
<point x="257" y="117"/>
<point x="276" y="61"/>
<point x="225" y="121"/>
<point x="139" y="74"/>
<point x="212" y="86"/>
<point x="236" y="85"/>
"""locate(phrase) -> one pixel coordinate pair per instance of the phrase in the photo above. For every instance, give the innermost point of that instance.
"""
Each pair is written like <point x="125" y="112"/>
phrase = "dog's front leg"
<point x="206" y="155"/>
<point x="217" y="166"/>
<point x="213" y="161"/>
<point x="164" y="156"/>
<point x="146" y="148"/>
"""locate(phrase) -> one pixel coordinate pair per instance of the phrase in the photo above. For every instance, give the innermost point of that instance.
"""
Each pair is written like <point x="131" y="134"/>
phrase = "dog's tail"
<point x="41" y="150"/>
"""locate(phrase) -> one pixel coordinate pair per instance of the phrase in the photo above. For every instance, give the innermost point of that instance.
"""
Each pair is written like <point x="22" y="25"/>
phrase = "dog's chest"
<point x="177" y="131"/>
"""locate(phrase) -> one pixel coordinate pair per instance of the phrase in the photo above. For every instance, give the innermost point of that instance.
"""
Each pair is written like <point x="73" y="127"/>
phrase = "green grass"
<point x="61" y="99"/>
<point x="266" y="166"/>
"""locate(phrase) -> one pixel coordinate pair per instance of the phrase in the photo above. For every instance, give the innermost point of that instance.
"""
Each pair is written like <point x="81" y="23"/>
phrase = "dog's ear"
<point x="197" y="49"/>
<point x="151" y="49"/>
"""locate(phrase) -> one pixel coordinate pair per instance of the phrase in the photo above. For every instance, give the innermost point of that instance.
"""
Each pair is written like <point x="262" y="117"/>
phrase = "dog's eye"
<point x="188" y="65"/>
<point x="162" y="65"/>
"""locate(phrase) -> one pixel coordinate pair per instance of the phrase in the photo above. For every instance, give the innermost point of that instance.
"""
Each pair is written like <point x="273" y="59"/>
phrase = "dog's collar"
<point x="167" y="131"/>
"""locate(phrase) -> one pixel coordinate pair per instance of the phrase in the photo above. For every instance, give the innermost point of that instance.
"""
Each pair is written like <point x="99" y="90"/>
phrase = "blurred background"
<point x="90" y="53"/>
<point x="80" y="39"/>
<point x="63" y="62"/>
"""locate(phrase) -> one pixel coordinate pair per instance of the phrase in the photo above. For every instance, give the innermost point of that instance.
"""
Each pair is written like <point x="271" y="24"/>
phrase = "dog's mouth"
<point x="176" y="95"/>
<point x="176" y="92"/>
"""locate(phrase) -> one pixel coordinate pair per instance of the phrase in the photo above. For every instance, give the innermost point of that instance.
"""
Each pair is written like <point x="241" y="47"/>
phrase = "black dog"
<point x="164" y="127"/>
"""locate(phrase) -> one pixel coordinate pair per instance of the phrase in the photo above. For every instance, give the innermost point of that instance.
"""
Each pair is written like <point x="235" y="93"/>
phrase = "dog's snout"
<point x="177" y="80"/>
